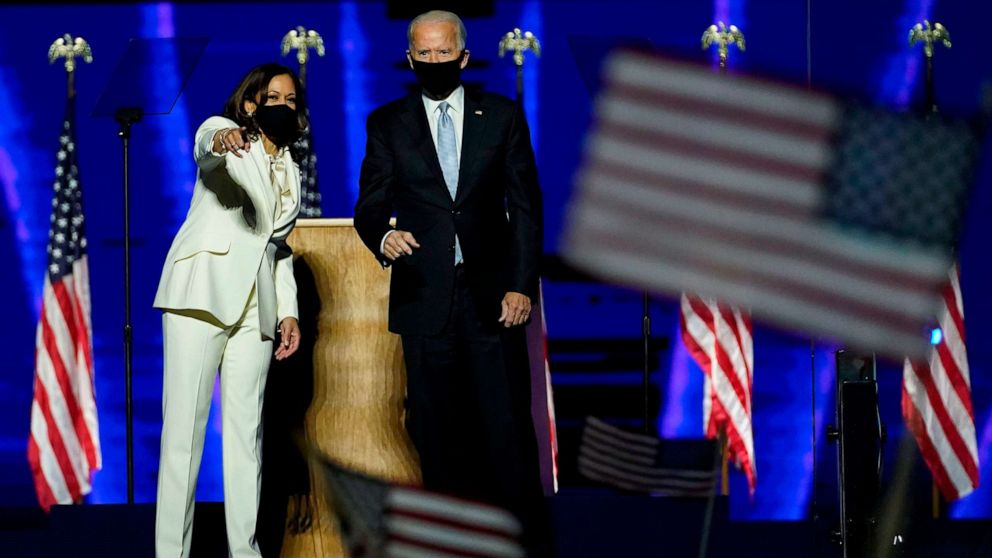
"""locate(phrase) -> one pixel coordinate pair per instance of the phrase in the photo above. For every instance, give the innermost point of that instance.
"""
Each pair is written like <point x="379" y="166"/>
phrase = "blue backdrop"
<point x="843" y="44"/>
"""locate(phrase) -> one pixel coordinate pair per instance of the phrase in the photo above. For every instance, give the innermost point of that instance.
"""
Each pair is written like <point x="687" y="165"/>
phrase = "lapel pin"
<point x="478" y="112"/>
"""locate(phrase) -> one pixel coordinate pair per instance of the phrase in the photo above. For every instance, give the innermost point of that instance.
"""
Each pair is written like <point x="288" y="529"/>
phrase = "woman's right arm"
<point x="209" y="151"/>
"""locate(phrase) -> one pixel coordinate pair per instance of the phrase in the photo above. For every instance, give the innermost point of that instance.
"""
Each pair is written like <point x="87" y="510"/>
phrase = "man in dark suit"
<point x="457" y="170"/>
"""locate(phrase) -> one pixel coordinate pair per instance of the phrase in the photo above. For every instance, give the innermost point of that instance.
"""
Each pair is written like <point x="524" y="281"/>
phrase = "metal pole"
<point x="126" y="117"/>
<point x="646" y="336"/>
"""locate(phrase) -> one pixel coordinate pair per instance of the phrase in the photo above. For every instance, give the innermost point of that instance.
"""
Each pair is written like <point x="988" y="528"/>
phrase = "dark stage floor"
<point x="588" y="523"/>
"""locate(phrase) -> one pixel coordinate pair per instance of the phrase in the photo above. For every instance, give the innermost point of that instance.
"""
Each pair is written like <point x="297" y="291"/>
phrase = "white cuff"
<point x="382" y="243"/>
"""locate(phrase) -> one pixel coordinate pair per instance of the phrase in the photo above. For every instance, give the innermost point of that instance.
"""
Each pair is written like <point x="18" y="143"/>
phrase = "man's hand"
<point x="289" y="333"/>
<point x="516" y="309"/>
<point x="399" y="243"/>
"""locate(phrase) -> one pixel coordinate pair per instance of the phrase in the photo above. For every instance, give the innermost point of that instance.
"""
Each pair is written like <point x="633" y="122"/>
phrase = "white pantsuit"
<point x="227" y="281"/>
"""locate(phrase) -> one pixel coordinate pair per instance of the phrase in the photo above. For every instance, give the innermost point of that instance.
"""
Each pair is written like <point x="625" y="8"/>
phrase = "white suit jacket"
<point x="231" y="238"/>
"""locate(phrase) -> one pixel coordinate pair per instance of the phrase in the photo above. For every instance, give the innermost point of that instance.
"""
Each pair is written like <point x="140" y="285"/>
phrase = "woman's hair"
<point x="254" y="86"/>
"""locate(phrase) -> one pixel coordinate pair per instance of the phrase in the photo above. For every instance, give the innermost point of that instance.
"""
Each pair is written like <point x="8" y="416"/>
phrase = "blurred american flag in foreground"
<point x="380" y="520"/>
<point x="824" y="217"/>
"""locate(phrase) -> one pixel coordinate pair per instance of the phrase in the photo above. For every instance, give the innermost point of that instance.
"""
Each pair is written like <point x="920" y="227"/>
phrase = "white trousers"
<point x="196" y="345"/>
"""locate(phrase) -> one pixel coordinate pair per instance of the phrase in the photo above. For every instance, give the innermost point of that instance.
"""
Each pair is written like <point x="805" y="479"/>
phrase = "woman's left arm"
<point x="286" y="307"/>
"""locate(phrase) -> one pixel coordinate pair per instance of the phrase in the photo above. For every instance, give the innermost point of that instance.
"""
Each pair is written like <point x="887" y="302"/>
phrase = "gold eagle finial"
<point x="70" y="48"/>
<point x="519" y="43"/>
<point x="302" y="40"/>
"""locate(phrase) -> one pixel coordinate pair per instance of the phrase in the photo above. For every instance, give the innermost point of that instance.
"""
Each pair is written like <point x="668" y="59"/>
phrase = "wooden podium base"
<point x="359" y="380"/>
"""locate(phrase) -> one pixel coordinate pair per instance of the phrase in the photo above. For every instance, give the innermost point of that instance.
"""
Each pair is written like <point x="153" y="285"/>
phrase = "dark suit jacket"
<point x="497" y="212"/>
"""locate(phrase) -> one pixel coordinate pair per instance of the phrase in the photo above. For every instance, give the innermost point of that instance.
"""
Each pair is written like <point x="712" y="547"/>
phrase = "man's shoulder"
<point x="390" y="109"/>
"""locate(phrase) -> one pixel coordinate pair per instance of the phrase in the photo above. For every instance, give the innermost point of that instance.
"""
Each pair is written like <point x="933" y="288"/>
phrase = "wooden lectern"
<point x="359" y="381"/>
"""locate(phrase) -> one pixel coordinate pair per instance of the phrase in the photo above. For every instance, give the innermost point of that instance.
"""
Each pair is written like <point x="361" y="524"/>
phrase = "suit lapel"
<point x="415" y="120"/>
<point x="264" y="189"/>
<point x="473" y="130"/>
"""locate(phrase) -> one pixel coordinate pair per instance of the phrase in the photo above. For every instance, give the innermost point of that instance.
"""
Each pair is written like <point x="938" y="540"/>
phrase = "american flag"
<point x="542" y="397"/>
<point x="936" y="402"/>
<point x="379" y="520"/>
<point x="309" y="194"/>
<point x="642" y="463"/>
<point x="819" y="216"/>
<point x="719" y="339"/>
<point x="64" y="446"/>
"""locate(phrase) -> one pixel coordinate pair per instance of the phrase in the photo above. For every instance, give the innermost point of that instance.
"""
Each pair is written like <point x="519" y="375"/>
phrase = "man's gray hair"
<point x="438" y="16"/>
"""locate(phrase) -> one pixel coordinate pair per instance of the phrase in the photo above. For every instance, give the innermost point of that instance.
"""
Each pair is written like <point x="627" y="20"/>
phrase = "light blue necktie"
<point x="447" y="155"/>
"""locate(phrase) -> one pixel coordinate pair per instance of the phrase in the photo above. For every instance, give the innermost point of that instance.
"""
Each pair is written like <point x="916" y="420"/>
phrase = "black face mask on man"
<point x="279" y="123"/>
<point x="438" y="79"/>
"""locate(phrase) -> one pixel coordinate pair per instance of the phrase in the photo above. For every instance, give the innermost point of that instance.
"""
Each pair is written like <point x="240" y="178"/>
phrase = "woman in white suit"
<point x="226" y="284"/>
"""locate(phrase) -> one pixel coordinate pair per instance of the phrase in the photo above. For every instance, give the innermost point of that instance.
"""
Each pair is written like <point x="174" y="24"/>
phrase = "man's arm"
<point x="524" y="208"/>
<point x="375" y="190"/>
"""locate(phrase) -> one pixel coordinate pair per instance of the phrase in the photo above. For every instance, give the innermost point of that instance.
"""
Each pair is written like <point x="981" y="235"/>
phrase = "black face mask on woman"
<point x="439" y="78"/>
<point x="279" y="123"/>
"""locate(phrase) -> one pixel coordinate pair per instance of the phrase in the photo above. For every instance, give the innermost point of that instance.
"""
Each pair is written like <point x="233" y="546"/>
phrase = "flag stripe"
<point x="945" y="461"/>
<point x="951" y="401"/>
<point x="930" y="453"/>
<point x="46" y="496"/>
<point x="622" y="479"/>
<point x="660" y="108"/>
<point x="399" y="547"/>
<point x="723" y="360"/>
<point x="695" y="335"/>
<point x="58" y="380"/>
<point x="646" y="158"/>
<point x="73" y="383"/>
<point x="688" y="147"/>
<point x="451" y="509"/>
<point x="766" y="99"/>
<point x="946" y="424"/>
<point x="434" y="535"/>
<point x="670" y="187"/>
<point x="456" y="524"/>
<point x="719" y="275"/>
<point x="65" y="470"/>
<point x="633" y="453"/>
<point x="952" y="378"/>
<point x="63" y="410"/>
<point x="618" y="262"/>
<point x="637" y="442"/>
<point x="722" y="336"/>
<point x="740" y="406"/>
<point x="50" y="487"/>
<point x="952" y="330"/>
<point x="606" y="456"/>
<point x="781" y="140"/>
<point x="732" y="224"/>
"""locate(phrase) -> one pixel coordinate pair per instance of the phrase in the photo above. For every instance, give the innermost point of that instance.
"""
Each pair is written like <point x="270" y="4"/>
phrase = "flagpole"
<point x="928" y="35"/>
<point x="70" y="48"/>
<point x="723" y="37"/>
<point x="302" y="40"/>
